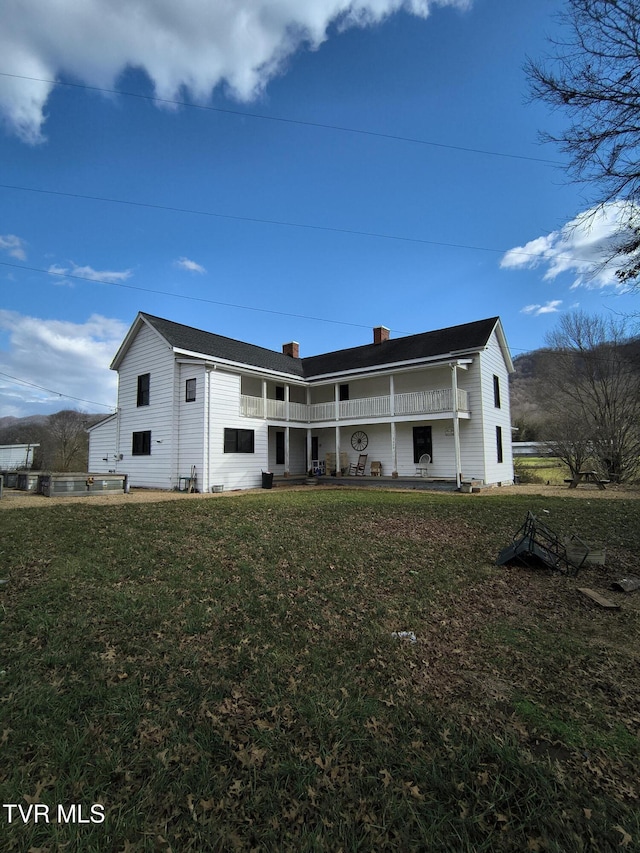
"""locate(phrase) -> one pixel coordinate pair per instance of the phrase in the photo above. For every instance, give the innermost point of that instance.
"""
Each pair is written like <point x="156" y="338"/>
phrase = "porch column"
<point x="456" y="422"/>
<point x="394" y="448"/>
<point x="264" y="398"/>
<point x="286" y="451"/>
<point x="338" y="472"/>
<point x="286" y="402"/>
<point x="392" y="396"/>
<point x="309" y="460"/>
<point x="336" y="397"/>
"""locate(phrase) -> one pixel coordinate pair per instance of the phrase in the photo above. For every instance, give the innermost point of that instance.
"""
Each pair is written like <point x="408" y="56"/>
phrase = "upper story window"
<point x="279" y="392"/>
<point x="496" y="391"/>
<point x="143" y="389"/>
<point x="343" y="392"/>
<point x="190" y="391"/>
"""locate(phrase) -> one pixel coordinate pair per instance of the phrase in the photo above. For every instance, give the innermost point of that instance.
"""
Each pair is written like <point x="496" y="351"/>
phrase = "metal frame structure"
<point x="535" y="542"/>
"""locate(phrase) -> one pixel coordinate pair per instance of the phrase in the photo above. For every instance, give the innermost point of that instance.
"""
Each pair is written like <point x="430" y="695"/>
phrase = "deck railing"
<point x="412" y="403"/>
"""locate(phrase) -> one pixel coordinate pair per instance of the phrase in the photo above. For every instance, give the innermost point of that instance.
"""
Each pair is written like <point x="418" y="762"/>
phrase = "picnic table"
<point x="587" y="477"/>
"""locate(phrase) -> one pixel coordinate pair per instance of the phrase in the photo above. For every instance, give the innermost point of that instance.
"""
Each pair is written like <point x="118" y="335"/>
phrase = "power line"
<point x="57" y="393"/>
<point x="279" y="222"/>
<point x="93" y="279"/>
<point x="283" y="120"/>
<point x="255" y="219"/>
<point x="210" y="302"/>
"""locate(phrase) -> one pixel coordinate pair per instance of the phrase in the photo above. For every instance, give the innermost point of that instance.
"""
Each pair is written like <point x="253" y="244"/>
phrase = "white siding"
<point x="148" y="353"/>
<point x="443" y="457"/>
<point x="297" y="451"/>
<point x="472" y="447"/>
<point x="16" y="456"/>
<point x="378" y="449"/>
<point x="233" y="470"/>
<point x="429" y="379"/>
<point x="492" y="363"/>
<point x="422" y="380"/>
<point x="190" y="430"/>
<point x="102" y="446"/>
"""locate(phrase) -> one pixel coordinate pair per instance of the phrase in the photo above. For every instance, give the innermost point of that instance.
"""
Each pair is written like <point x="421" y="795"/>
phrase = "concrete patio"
<point x="368" y="482"/>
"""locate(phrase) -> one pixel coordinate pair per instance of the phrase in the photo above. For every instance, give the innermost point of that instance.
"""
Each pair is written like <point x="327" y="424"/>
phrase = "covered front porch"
<point x="393" y="453"/>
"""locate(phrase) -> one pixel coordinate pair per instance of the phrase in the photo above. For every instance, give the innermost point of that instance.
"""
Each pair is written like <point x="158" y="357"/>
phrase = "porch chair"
<point x="422" y="470"/>
<point x="376" y="469"/>
<point x="357" y="468"/>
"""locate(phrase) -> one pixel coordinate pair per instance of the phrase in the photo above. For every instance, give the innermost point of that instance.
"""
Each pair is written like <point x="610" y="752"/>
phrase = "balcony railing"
<point x="412" y="403"/>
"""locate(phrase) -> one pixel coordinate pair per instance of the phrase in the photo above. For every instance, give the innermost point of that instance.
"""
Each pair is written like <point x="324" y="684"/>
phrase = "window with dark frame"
<point x="279" y="448"/>
<point x="422" y="443"/>
<point x="190" y="391"/>
<point x="141" y="443"/>
<point x="496" y="391"/>
<point x="499" y="443"/>
<point x="239" y="441"/>
<point x="343" y="393"/>
<point x="143" y="389"/>
<point x="280" y="392"/>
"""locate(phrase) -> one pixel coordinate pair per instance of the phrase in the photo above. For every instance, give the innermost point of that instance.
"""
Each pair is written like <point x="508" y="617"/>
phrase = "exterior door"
<point x="422" y="442"/>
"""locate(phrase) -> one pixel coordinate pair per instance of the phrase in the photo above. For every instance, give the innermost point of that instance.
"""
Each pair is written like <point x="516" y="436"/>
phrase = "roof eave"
<point x="429" y="361"/>
<point x="236" y="366"/>
<point x="504" y="346"/>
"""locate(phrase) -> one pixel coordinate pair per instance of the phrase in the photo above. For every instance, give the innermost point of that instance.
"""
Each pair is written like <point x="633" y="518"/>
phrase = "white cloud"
<point x="584" y="247"/>
<point x="86" y="272"/>
<point x="68" y="358"/>
<point x="190" y="266"/>
<point x="14" y="246"/>
<point x="551" y="307"/>
<point x="195" y="44"/>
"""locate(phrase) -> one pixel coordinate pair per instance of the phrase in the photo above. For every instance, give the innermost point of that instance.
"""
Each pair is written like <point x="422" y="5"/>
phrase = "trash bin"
<point x="267" y="480"/>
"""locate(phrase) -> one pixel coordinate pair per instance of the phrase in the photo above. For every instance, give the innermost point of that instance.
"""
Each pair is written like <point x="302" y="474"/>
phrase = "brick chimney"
<point x="292" y="349"/>
<point x="380" y="334"/>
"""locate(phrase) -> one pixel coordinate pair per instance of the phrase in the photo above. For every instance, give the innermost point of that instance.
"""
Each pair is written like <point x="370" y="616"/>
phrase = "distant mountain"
<point x="36" y="429"/>
<point x="527" y="414"/>
<point x="32" y="420"/>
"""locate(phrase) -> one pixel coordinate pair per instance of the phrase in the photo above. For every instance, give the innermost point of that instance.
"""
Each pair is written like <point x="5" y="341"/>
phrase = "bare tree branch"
<point x="593" y="76"/>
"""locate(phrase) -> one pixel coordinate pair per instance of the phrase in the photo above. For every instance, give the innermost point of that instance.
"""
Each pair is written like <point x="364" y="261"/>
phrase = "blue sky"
<point x="285" y="228"/>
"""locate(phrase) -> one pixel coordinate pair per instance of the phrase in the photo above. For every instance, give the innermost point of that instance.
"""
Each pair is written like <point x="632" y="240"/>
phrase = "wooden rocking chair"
<point x="357" y="468"/>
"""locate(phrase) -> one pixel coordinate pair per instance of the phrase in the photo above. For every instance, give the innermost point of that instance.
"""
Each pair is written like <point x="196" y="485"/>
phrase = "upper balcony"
<point x="412" y="403"/>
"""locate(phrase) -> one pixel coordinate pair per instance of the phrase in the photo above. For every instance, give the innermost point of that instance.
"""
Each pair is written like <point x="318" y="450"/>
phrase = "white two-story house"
<point x="191" y="401"/>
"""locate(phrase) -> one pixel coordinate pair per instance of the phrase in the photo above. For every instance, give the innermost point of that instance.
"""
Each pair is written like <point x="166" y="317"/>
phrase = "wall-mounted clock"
<point x="359" y="440"/>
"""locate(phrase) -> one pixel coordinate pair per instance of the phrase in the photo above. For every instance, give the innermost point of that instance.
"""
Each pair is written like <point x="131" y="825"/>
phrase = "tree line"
<point x="62" y="438"/>
<point x="583" y="399"/>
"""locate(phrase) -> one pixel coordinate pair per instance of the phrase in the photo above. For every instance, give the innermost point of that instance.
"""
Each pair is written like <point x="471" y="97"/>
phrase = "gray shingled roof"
<point x="207" y="343"/>
<point x="468" y="337"/>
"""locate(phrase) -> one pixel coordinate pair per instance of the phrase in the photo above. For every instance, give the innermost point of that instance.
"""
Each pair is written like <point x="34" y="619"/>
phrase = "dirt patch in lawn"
<point x="587" y="490"/>
<point x="18" y="500"/>
<point x="12" y="499"/>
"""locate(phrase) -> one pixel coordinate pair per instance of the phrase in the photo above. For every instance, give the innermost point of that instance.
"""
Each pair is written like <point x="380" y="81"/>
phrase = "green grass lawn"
<point x="541" y="469"/>
<point x="220" y="675"/>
